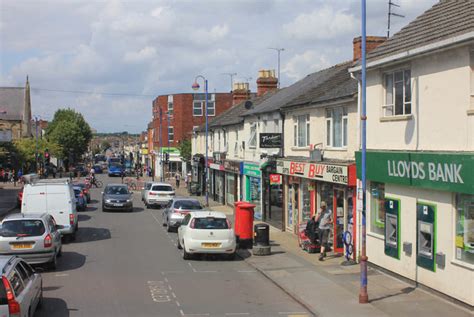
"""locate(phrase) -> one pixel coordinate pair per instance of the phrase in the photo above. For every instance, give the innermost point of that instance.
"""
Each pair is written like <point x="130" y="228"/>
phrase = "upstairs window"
<point x="397" y="93"/>
<point x="199" y="104"/>
<point x="171" y="134"/>
<point x="301" y="130"/>
<point x="336" y="127"/>
<point x="170" y="105"/>
<point x="253" y="136"/>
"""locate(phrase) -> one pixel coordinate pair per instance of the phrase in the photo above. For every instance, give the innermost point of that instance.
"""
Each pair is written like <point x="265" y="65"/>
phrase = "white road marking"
<point x="61" y="274"/>
<point x="174" y="295"/>
<point x="196" y="314"/>
<point x="236" y="314"/>
<point x="181" y="312"/>
<point x="158" y="291"/>
<point x="169" y="286"/>
<point x="191" y="266"/>
<point x="293" y="313"/>
<point x="166" y="279"/>
<point x="247" y="271"/>
<point x="178" y="304"/>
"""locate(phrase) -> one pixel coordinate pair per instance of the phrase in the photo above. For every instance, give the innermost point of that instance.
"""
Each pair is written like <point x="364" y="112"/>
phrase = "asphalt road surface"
<point x="126" y="264"/>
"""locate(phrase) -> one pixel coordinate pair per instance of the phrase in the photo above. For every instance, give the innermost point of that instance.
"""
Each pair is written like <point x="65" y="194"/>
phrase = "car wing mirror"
<point x="59" y="227"/>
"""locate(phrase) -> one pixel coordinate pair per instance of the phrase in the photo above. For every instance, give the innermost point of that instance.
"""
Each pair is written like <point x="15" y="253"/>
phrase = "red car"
<point x="19" y="198"/>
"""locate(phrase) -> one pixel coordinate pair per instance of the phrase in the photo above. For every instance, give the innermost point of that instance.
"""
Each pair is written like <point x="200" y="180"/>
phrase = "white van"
<point x="55" y="197"/>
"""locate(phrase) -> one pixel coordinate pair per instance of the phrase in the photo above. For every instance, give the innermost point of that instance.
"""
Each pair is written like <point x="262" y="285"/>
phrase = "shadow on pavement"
<point x="90" y="208"/>
<point x="53" y="307"/>
<point x="215" y="258"/>
<point x="69" y="261"/>
<point x="404" y="291"/>
<point x="81" y="217"/>
<point x="89" y="234"/>
<point x="50" y="288"/>
<point x="93" y="201"/>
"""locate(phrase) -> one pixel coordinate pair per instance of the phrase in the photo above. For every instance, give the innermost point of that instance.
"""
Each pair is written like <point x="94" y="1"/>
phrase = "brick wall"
<point x="371" y="43"/>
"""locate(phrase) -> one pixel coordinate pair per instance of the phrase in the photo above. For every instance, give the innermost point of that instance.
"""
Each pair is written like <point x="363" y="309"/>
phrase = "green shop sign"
<point x="170" y="150"/>
<point x="442" y="171"/>
<point x="252" y="170"/>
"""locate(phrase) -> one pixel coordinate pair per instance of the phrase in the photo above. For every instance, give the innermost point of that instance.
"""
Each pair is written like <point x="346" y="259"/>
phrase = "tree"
<point x="185" y="150"/>
<point x="71" y="132"/>
<point x="105" y="145"/>
<point x="26" y="150"/>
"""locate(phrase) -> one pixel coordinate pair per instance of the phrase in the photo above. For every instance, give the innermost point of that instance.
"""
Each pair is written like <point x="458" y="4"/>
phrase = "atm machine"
<point x="392" y="227"/>
<point x="426" y="236"/>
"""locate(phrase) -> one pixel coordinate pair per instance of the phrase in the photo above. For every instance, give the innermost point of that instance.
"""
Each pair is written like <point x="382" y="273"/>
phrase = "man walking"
<point x="178" y="178"/>
<point x="325" y="222"/>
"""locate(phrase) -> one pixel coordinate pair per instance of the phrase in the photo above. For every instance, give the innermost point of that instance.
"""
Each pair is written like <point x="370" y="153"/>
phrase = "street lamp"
<point x="196" y="86"/>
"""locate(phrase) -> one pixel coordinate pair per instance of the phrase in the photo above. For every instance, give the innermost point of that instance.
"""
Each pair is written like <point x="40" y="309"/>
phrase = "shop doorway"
<point x="273" y="200"/>
<point x="340" y="218"/>
<point x="293" y="207"/>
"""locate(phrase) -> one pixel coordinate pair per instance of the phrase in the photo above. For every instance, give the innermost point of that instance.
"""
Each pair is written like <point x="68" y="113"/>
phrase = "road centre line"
<point x="237" y="314"/>
<point x="173" y="294"/>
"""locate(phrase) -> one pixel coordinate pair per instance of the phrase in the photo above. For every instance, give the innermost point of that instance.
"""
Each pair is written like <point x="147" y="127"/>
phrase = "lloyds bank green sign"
<point x="436" y="170"/>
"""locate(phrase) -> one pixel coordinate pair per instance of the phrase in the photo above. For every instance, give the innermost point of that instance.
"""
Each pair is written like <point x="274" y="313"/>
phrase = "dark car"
<point x="80" y="170"/>
<point x="81" y="199"/>
<point x="97" y="169"/>
<point x="85" y="190"/>
<point x="117" y="197"/>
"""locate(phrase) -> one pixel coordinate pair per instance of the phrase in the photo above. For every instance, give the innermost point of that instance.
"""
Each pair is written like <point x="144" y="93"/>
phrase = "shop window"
<point x="377" y="207"/>
<point x="397" y="93"/>
<point x="305" y="201"/>
<point x="465" y="228"/>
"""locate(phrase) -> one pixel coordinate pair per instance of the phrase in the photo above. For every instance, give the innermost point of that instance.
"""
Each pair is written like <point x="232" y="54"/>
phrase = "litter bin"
<point x="243" y="224"/>
<point x="261" y="235"/>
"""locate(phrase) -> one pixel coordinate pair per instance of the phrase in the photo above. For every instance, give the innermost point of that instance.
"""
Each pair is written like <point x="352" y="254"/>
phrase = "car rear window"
<point x="27" y="228"/>
<point x="162" y="188"/>
<point x="116" y="190"/>
<point x="187" y="204"/>
<point x="210" y="223"/>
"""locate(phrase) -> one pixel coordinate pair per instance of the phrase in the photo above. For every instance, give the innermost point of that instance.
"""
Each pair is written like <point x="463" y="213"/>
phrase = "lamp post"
<point x="36" y="144"/>
<point x="196" y="86"/>
<point x="363" y="295"/>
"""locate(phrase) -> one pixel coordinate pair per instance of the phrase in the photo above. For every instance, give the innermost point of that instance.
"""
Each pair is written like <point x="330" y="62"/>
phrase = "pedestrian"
<point x="178" y="178"/>
<point x="122" y="174"/>
<point x="2" y="175"/>
<point x="325" y="222"/>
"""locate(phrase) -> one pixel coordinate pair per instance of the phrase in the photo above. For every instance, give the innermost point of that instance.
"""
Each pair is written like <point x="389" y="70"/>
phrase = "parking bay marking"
<point x="158" y="291"/>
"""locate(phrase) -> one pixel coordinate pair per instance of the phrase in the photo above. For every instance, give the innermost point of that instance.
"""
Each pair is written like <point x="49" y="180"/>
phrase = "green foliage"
<point x="27" y="148"/>
<point x="71" y="132"/>
<point x="185" y="149"/>
<point x="105" y="145"/>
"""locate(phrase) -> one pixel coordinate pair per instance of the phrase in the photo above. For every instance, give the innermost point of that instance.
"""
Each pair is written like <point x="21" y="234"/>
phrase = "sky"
<point x="108" y="59"/>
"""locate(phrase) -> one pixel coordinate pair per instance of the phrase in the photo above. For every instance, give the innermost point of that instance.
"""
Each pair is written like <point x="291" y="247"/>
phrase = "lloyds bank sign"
<point x="442" y="171"/>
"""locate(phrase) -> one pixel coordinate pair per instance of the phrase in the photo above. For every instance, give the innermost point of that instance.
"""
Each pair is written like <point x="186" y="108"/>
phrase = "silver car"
<point x="21" y="288"/>
<point x="146" y="189"/>
<point x="34" y="237"/>
<point x="177" y="209"/>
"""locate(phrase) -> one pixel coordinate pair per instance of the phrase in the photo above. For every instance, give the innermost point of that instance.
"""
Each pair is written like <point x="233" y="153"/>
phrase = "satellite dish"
<point x="248" y="104"/>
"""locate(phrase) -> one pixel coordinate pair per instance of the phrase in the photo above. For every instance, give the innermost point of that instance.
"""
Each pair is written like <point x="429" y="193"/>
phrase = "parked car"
<point x="146" y="188"/>
<point x="206" y="232"/>
<point x="97" y="169"/>
<point x="21" y="287"/>
<point x="115" y="169"/>
<point x="117" y="197"/>
<point x="56" y="197"/>
<point x="34" y="237"/>
<point x="177" y="209"/>
<point x="81" y="199"/>
<point x="81" y="170"/>
<point x="160" y="194"/>
<point x="85" y="189"/>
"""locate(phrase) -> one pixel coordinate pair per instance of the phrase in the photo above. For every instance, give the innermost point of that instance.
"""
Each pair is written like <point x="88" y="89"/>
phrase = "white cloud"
<point x="322" y="23"/>
<point x="145" y="54"/>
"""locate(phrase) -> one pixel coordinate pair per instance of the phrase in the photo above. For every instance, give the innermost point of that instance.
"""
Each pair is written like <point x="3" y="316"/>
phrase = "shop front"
<point x="420" y="217"/>
<point x="232" y="179"/>
<point x="307" y="184"/>
<point x="217" y="182"/>
<point x="197" y="175"/>
<point x="253" y="186"/>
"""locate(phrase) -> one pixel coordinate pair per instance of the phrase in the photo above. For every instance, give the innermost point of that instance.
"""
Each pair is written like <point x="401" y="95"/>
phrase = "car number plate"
<point x="211" y="245"/>
<point x="17" y="246"/>
<point x="118" y="205"/>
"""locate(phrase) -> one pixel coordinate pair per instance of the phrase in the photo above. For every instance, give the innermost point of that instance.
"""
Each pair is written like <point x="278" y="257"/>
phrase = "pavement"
<point x="326" y="288"/>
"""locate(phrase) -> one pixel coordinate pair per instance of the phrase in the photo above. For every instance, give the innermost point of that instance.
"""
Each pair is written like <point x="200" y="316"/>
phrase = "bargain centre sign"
<point x="339" y="174"/>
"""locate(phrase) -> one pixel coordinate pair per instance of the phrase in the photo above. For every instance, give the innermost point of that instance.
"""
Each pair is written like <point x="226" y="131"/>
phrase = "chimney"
<point x="266" y="81"/>
<point x="240" y="92"/>
<point x="371" y="43"/>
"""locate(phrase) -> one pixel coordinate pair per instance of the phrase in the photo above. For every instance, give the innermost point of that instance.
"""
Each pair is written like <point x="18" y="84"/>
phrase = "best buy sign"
<point x="442" y="171"/>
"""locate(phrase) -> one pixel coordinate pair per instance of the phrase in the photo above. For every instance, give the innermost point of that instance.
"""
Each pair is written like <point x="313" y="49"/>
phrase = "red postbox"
<point x="244" y="223"/>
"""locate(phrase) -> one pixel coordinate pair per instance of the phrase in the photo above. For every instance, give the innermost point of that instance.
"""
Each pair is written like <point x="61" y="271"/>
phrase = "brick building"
<point x="174" y="118"/>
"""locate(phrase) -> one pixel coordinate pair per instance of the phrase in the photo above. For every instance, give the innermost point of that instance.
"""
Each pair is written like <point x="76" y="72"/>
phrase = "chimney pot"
<point x="372" y="42"/>
<point x="266" y="81"/>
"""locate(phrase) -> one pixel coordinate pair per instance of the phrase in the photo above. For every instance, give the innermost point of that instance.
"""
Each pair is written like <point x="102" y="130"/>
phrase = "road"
<point x="126" y="264"/>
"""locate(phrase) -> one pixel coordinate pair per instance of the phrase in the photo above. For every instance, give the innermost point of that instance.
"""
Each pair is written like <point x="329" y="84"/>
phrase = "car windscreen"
<point x="187" y="204"/>
<point x="210" y="223"/>
<point x="116" y="190"/>
<point x="22" y="227"/>
<point x="162" y="188"/>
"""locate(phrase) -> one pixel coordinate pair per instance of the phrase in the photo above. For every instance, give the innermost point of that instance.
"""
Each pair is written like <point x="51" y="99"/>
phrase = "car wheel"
<point x="231" y="257"/>
<point x="60" y="252"/>
<point x="53" y="263"/>
<point x="169" y="229"/>
<point x="40" y="300"/>
<point x="179" y="245"/>
<point x="186" y="255"/>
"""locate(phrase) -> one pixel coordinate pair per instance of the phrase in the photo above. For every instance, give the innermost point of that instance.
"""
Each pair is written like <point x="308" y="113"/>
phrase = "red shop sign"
<point x="275" y="179"/>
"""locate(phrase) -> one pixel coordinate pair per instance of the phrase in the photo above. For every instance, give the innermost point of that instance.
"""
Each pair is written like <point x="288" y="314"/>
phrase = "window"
<point x="336" y="127"/>
<point x="397" y="93"/>
<point x="253" y="135"/>
<point x="29" y="270"/>
<point x="171" y="134"/>
<point x="29" y="228"/>
<point x="465" y="228"/>
<point x="301" y="130"/>
<point x="236" y="145"/>
<point x="211" y="223"/>
<point x="276" y="123"/>
<point x="16" y="283"/>
<point x="199" y="104"/>
<point x="170" y="105"/>
<point x="377" y="207"/>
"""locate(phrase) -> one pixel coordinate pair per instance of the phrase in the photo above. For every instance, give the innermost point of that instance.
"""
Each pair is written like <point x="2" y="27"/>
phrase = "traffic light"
<point x="46" y="157"/>
<point x="167" y="157"/>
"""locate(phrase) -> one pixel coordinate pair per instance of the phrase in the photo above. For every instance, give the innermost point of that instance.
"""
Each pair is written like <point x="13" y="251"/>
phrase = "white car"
<point x="206" y="232"/>
<point x="160" y="194"/>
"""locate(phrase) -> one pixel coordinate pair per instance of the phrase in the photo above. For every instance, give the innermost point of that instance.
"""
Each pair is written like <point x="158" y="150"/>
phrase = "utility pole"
<point x="231" y="75"/>
<point x="279" y="50"/>
<point x="161" y="147"/>
<point x="390" y="13"/>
